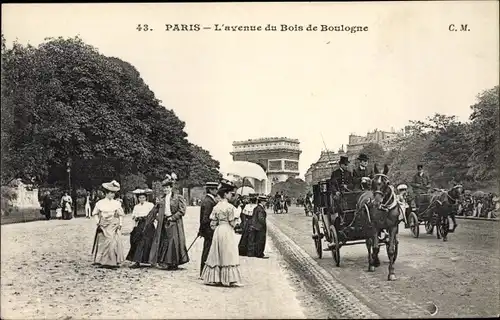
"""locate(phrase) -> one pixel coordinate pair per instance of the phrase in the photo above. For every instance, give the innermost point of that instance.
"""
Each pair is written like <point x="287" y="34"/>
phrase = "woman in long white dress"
<point x="108" y="248"/>
<point x="222" y="265"/>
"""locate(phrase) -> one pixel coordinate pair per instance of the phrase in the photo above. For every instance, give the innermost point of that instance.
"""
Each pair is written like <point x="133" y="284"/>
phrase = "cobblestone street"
<point x="460" y="276"/>
<point x="47" y="273"/>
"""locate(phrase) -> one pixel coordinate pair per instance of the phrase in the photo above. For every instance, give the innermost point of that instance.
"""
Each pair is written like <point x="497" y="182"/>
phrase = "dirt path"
<point x="47" y="273"/>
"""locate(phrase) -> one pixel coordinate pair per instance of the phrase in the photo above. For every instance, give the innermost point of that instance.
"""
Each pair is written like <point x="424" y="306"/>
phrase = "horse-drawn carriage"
<point x="434" y="210"/>
<point x="342" y="223"/>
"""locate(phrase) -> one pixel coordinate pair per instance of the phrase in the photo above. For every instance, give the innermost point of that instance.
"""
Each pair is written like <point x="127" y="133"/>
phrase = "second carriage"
<point x="423" y="213"/>
<point x="344" y="226"/>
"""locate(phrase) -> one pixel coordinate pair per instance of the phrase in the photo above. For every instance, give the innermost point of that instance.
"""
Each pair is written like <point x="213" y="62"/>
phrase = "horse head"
<point x="381" y="185"/>
<point x="456" y="193"/>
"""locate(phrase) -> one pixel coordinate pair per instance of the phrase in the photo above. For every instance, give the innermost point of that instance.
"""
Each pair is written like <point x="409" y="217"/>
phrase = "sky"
<point x="230" y="85"/>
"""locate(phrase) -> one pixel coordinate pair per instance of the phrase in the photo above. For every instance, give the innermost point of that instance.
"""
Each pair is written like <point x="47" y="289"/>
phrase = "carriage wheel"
<point x="414" y="225"/>
<point x="428" y="227"/>
<point x="317" y="238"/>
<point x="336" y="246"/>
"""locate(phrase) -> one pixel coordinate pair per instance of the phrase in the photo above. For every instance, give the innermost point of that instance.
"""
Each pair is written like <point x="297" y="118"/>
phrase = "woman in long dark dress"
<point x="168" y="250"/>
<point x="142" y="235"/>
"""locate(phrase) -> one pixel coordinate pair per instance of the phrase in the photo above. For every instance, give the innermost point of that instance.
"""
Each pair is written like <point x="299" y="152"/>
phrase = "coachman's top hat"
<point x="363" y="157"/>
<point x="112" y="186"/>
<point x="169" y="179"/>
<point x="344" y="160"/>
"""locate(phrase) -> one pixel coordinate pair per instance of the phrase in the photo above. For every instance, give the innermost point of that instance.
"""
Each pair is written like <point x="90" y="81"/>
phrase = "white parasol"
<point x="245" y="170"/>
<point x="245" y="191"/>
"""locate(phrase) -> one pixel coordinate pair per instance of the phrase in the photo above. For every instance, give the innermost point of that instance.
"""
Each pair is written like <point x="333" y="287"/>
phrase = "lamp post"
<point x="68" y="170"/>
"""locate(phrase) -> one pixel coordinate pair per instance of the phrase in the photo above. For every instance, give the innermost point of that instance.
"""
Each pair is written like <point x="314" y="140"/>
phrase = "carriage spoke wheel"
<point x="317" y="238"/>
<point x="336" y="246"/>
<point x="414" y="225"/>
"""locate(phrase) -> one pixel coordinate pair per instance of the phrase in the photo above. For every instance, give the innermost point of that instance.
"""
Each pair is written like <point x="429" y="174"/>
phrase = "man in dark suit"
<point x="341" y="179"/>
<point x="362" y="170"/>
<point x="258" y="232"/>
<point x="207" y="205"/>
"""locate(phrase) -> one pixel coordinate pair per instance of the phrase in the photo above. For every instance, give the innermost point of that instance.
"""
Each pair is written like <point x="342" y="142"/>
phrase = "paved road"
<point x="46" y="273"/>
<point x="460" y="276"/>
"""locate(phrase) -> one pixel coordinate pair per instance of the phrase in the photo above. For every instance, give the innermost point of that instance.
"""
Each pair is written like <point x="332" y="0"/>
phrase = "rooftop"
<point x="268" y="139"/>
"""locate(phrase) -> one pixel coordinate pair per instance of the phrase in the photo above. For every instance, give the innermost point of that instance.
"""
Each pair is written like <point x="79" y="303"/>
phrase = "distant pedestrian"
<point x="258" y="233"/>
<point x="66" y="205"/>
<point x="108" y="248"/>
<point x="88" y="210"/>
<point x="47" y="205"/>
<point x="222" y="265"/>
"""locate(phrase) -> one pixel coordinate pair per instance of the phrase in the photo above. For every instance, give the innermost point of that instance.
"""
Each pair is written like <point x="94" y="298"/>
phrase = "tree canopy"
<point x="64" y="102"/>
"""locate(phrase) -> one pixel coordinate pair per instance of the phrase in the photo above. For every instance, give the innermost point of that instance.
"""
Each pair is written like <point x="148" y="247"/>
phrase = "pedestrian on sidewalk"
<point x="205" y="231"/>
<point x="142" y="235"/>
<point x="246" y="218"/>
<point x="108" y="248"/>
<point x="168" y="250"/>
<point x="222" y="265"/>
<point x="258" y="233"/>
<point x="66" y="204"/>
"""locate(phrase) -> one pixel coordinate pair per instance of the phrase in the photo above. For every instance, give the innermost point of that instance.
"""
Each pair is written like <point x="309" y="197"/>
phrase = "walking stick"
<point x="193" y="242"/>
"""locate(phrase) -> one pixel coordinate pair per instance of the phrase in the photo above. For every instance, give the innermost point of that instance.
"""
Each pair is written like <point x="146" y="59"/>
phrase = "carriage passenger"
<point x="401" y="197"/>
<point x="361" y="171"/>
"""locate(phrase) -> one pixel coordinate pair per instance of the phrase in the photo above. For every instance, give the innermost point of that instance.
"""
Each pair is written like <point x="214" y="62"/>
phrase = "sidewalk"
<point x="476" y="218"/>
<point x="47" y="273"/>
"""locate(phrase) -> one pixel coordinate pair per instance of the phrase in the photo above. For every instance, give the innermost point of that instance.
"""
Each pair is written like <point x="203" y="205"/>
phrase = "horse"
<point x="442" y="204"/>
<point x="383" y="213"/>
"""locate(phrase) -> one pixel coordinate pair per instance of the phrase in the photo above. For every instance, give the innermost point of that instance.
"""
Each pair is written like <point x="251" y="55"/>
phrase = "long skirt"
<point x="140" y="242"/>
<point x="173" y="251"/>
<point x="222" y="265"/>
<point x="257" y="243"/>
<point x="245" y="237"/>
<point x="109" y="248"/>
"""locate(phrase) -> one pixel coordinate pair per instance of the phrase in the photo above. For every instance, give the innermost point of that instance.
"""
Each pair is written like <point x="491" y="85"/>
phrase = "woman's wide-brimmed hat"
<point x="139" y="191"/>
<point x="112" y="186"/>
<point x="169" y="179"/>
<point x="227" y="185"/>
<point x="402" y="187"/>
<point x="363" y="157"/>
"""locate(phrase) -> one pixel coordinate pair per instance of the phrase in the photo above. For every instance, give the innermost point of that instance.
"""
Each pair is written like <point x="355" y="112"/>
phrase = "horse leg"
<point x="369" y="246"/>
<point x="376" y="249"/>
<point x="454" y="222"/>
<point x="391" y="252"/>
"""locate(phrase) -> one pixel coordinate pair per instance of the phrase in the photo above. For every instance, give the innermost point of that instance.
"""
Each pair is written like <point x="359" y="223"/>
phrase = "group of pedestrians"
<point x="158" y="238"/>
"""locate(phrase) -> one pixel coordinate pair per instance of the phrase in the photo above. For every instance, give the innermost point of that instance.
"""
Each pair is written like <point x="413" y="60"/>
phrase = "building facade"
<point x="279" y="157"/>
<point x="386" y="139"/>
<point x="323" y="167"/>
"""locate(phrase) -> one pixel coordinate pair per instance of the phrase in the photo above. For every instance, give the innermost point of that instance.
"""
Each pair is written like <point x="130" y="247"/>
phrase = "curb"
<point x="339" y="297"/>
<point x="475" y="218"/>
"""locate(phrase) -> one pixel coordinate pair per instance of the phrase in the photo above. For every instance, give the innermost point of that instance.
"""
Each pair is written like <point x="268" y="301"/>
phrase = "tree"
<point x="292" y="187"/>
<point x="202" y="168"/>
<point x="484" y="136"/>
<point x="66" y="101"/>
